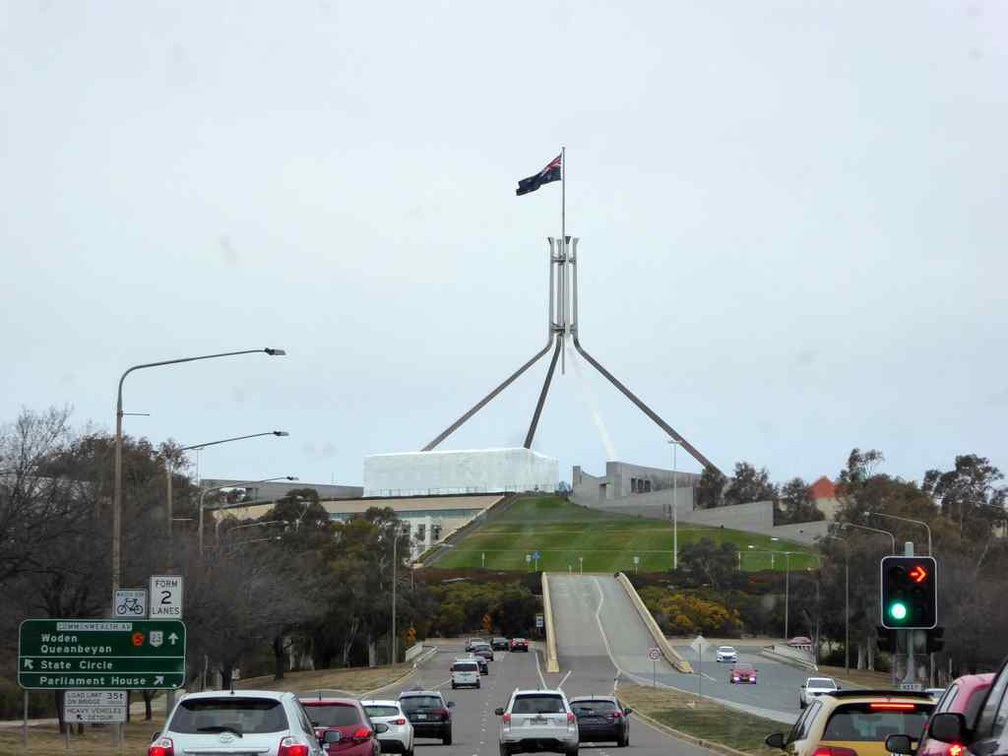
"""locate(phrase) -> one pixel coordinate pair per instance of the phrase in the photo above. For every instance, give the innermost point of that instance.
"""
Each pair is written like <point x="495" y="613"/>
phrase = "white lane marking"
<point x="598" y="621"/>
<point x="539" y="671"/>
<point x="560" y="685"/>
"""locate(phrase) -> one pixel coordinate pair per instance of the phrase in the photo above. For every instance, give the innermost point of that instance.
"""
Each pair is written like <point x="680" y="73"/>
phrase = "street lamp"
<point x="846" y="598"/>
<point x="219" y="488"/>
<point x="117" y="473"/>
<point x="787" y="587"/>
<point x="892" y="537"/>
<point x="675" y="506"/>
<point x="905" y="519"/>
<point x="170" y="469"/>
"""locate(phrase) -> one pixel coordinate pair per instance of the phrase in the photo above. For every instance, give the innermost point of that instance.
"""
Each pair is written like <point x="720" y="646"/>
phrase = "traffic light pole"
<point x="909" y="636"/>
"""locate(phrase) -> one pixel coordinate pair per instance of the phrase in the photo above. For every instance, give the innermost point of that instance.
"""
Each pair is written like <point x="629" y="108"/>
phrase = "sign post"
<point x="700" y="645"/>
<point x="59" y="654"/>
<point x="654" y="654"/>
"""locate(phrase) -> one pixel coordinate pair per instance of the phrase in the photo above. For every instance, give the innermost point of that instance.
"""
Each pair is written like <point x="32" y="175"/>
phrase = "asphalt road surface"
<point x="475" y="726"/>
<point x="600" y="636"/>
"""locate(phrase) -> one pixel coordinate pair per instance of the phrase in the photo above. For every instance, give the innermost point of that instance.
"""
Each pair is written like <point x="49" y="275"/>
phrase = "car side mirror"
<point x="380" y="728"/>
<point x="776" y="740"/>
<point x="899" y="744"/>
<point x="499" y="711"/>
<point x="948" y="727"/>
<point x="332" y="736"/>
<point x="451" y="704"/>
<point x="628" y="710"/>
<point x="803" y="685"/>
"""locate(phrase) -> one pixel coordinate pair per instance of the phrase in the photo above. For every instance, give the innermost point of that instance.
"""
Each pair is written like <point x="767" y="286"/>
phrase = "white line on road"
<point x="560" y="685"/>
<point x="539" y="671"/>
<point x="598" y="620"/>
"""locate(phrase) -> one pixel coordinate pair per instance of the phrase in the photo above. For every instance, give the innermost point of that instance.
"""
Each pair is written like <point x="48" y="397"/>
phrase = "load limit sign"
<point x="166" y="597"/>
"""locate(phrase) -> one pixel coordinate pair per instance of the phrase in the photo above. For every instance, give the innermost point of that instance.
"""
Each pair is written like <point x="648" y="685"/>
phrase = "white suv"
<point x="538" y="720"/>
<point x="816" y="686"/>
<point x="465" y="672"/>
<point x="727" y="654"/>
<point x="239" y="722"/>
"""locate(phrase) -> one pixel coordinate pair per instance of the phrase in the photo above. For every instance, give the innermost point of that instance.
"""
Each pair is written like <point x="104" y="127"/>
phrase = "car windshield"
<point x="414" y="703"/>
<point x="332" y="715"/>
<point x="861" y="723"/>
<point x="382" y="711"/>
<point x="537" y="704"/>
<point x="821" y="682"/>
<point x="729" y="649"/>
<point x="236" y="714"/>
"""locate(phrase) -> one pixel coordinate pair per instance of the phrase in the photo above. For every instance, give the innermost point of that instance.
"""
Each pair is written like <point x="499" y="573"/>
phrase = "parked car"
<point x="601" y="719"/>
<point x="399" y="736"/>
<point x="472" y="642"/>
<point x="742" y="675"/>
<point x="964" y="696"/>
<point x="464" y="673"/>
<point x="519" y="644"/>
<point x="538" y="720"/>
<point x="853" y="723"/>
<point x="815" y="686"/>
<point x="981" y="732"/>
<point x="484" y="650"/>
<point x="726" y="654"/>
<point x="246" y="721"/>
<point x="344" y="725"/>
<point x="429" y="714"/>
<point x="499" y="644"/>
<point x="799" y="640"/>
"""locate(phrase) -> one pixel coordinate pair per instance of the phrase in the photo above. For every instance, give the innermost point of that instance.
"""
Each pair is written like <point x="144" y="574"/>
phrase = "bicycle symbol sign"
<point x="131" y="603"/>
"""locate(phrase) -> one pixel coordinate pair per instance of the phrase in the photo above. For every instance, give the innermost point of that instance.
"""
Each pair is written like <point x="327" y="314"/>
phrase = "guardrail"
<point x="552" y="662"/>
<point x="671" y="655"/>
<point x="787" y="654"/>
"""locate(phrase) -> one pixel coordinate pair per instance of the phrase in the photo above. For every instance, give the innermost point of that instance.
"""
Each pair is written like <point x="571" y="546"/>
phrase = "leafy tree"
<point x="968" y="493"/>
<point x="712" y="563"/>
<point x="796" y="499"/>
<point x="860" y="467"/>
<point x="749" y="484"/>
<point x="709" y="489"/>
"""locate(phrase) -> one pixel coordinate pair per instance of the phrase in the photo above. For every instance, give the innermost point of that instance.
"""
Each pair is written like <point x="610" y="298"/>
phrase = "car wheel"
<point x="447" y="739"/>
<point x="573" y="751"/>
<point x="504" y="750"/>
<point x="624" y="742"/>
<point x="453" y="686"/>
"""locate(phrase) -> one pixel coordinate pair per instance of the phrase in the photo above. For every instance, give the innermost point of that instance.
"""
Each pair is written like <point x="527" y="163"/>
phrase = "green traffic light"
<point x="898" y="611"/>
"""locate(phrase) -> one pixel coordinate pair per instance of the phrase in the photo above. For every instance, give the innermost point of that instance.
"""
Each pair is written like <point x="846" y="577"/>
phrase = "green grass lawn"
<point x="562" y="532"/>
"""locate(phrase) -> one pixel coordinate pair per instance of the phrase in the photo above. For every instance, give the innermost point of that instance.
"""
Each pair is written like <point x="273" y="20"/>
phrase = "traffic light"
<point x="909" y="593"/>
<point x="934" y="640"/>
<point x="886" y="640"/>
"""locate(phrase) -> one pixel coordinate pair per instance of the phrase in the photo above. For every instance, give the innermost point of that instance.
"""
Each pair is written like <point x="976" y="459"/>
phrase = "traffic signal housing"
<point x="935" y="640"/>
<point x="909" y="593"/>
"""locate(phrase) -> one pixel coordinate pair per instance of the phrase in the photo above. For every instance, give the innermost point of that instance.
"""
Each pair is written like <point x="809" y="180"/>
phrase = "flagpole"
<point x="563" y="257"/>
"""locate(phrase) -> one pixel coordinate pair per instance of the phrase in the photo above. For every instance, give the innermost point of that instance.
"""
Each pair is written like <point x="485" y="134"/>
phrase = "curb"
<point x="416" y="663"/>
<point x="552" y="663"/>
<point x="708" y="744"/>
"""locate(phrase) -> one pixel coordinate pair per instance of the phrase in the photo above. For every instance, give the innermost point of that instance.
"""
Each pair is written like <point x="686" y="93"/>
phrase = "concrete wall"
<point x="447" y="472"/>
<point x="654" y="505"/>
<point x="624" y="479"/>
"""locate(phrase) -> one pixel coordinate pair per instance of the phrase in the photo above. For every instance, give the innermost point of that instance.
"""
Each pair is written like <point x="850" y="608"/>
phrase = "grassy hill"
<point x="562" y="532"/>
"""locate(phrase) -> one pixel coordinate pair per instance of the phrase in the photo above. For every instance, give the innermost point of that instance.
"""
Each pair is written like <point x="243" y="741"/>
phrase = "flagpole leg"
<point x="563" y="255"/>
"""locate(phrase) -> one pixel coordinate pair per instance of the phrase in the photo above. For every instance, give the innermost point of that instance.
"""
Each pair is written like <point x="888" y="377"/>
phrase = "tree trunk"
<point x="860" y="656"/>
<point x="278" y="657"/>
<point x="871" y="657"/>
<point x="148" y="696"/>
<point x="60" y="694"/>
<point x="372" y="652"/>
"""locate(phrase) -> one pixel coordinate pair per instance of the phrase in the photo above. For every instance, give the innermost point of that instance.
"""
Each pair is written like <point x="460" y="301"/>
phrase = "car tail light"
<point x="161" y="747"/>
<point x="441" y="713"/>
<point x="889" y="705"/>
<point x="955" y="749"/>
<point x="290" y="746"/>
<point x="616" y="714"/>
<point x="399" y="721"/>
<point x="507" y="718"/>
<point x="834" y="751"/>
<point x="570" y="717"/>
<point x="362" y="734"/>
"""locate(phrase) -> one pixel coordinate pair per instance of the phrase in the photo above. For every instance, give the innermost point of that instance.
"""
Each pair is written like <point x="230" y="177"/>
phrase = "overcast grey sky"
<point x="793" y="224"/>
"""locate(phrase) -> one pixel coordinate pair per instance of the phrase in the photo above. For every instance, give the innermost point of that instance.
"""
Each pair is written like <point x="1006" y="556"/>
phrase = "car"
<point x="465" y="672"/>
<point x="601" y="719"/>
<point x="799" y="641"/>
<point x="399" y="736"/>
<point x="815" y="686"/>
<point x="472" y="642"/>
<point x="344" y="725"/>
<point x="499" y="644"/>
<point x="726" y="654"/>
<point x="742" y="675"/>
<point x="247" y="721"/>
<point x="484" y="650"/>
<point x="429" y="713"/>
<point x="484" y="665"/>
<point x="935" y="693"/>
<point x="519" y="644"/>
<point x="964" y="696"/>
<point x="537" y="720"/>
<point x="853" y="723"/>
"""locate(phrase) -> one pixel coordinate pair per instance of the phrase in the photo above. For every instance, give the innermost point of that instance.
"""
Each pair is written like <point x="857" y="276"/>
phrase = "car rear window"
<point x="412" y="703"/>
<point x="382" y="711"/>
<point x="537" y="704"/>
<point x="465" y="667"/>
<point x="332" y="715"/>
<point x="234" y="713"/>
<point x="592" y="707"/>
<point x="821" y="682"/>
<point x="861" y="723"/>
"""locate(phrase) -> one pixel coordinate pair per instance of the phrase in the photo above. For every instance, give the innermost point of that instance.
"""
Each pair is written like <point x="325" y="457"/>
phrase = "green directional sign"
<point x="101" y="654"/>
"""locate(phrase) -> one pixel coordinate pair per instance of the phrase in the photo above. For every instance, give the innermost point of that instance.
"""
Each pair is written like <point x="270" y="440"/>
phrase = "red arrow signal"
<point x="918" y="574"/>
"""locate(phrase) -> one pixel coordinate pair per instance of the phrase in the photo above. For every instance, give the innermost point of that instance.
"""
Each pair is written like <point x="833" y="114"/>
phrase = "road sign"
<point x="636" y="560"/>
<point x="528" y="558"/>
<point x="101" y="654"/>
<point x="540" y="621"/>
<point x="537" y="555"/>
<point x="107" y="706"/>
<point x="909" y="593"/>
<point x="653" y="654"/>
<point x="700" y="645"/>
<point x="130" y="603"/>
<point x="166" y="597"/>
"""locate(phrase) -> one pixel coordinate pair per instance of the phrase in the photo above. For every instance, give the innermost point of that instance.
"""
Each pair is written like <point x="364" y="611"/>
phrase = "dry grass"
<point x="354" y="680"/>
<point x="703" y="719"/>
<point x="857" y="678"/>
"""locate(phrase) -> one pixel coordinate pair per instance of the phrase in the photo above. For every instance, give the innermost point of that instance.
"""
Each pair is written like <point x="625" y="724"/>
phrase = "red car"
<point x="742" y="675"/>
<point x="347" y="717"/>
<point x="963" y="696"/>
<point x="519" y="644"/>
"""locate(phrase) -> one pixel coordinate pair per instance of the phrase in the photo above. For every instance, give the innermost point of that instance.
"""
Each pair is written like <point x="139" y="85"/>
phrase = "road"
<point x="600" y="635"/>
<point x="475" y="726"/>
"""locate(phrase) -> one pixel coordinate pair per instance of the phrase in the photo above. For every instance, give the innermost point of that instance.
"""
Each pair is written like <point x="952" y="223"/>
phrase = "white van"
<point x="465" y="672"/>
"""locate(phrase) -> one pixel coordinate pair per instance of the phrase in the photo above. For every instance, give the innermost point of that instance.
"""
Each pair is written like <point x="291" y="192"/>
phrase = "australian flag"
<point x="552" y="172"/>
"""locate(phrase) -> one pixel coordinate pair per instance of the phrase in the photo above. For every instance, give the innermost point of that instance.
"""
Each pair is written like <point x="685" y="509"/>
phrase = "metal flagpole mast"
<point x="563" y="256"/>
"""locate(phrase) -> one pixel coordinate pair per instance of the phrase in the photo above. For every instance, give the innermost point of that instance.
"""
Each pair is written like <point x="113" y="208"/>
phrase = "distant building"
<point x="824" y="496"/>
<point x="272" y="490"/>
<point x="622" y="479"/>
